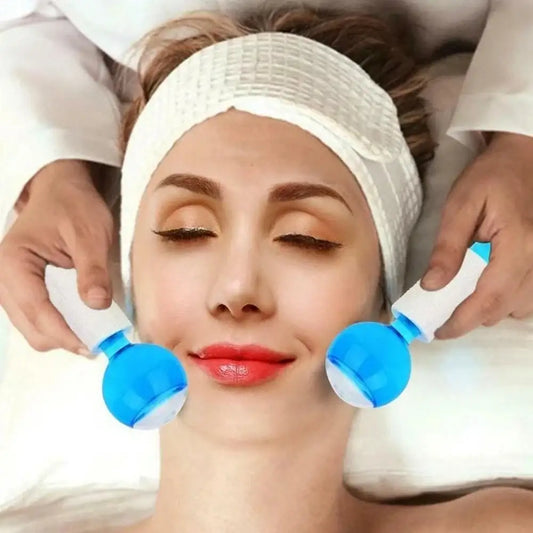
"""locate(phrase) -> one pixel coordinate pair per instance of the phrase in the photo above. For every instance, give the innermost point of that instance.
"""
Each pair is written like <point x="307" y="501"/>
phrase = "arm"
<point x="58" y="112"/>
<point x="491" y="199"/>
<point x="57" y="102"/>
<point x="498" y="88"/>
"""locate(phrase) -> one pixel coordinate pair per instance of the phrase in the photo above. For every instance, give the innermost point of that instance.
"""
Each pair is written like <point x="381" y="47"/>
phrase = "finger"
<point x="523" y="306"/>
<point x="495" y="291"/>
<point x="90" y="258"/>
<point x="31" y="312"/>
<point x="472" y="313"/>
<point x="459" y="221"/>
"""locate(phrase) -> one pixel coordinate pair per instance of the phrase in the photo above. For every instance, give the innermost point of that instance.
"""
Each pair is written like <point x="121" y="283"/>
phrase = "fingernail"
<point x="433" y="276"/>
<point x="445" y="333"/>
<point x="440" y="334"/>
<point x="97" y="294"/>
<point x="84" y="351"/>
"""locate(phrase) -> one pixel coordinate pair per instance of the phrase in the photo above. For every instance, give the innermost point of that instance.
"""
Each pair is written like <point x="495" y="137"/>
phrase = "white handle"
<point x="429" y="310"/>
<point x="92" y="326"/>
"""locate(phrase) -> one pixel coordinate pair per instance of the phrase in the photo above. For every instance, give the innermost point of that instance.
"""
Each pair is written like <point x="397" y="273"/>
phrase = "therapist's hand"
<point x="492" y="200"/>
<point x="63" y="220"/>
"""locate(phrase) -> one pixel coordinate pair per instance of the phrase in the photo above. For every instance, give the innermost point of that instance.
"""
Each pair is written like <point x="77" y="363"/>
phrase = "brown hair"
<point x="380" y="47"/>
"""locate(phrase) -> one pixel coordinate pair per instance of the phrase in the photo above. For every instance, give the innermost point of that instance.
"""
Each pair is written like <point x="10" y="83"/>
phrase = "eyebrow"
<point x="286" y="192"/>
<point x="192" y="183"/>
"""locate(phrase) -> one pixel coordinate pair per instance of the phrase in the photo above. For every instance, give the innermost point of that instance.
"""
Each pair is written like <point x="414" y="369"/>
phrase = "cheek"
<point x="167" y="294"/>
<point x="320" y="302"/>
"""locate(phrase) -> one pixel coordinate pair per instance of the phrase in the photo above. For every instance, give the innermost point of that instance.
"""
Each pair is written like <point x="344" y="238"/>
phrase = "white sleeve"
<point x="497" y="94"/>
<point x="56" y="102"/>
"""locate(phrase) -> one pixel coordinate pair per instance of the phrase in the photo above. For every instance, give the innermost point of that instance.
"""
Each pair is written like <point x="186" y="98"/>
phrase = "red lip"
<point x="245" y="352"/>
<point x="244" y="365"/>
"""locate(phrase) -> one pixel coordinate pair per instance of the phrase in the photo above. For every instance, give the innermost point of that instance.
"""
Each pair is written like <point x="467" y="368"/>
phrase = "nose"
<point x="241" y="287"/>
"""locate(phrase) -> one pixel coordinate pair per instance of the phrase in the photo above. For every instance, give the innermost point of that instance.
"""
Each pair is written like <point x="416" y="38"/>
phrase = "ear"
<point x="385" y="314"/>
<point x="382" y="307"/>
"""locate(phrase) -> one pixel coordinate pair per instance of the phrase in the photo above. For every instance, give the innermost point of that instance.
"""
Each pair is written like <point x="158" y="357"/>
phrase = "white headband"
<point x="300" y="81"/>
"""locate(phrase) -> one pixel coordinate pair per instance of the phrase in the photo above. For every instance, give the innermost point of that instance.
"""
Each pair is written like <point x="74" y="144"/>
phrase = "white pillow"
<point x="464" y="420"/>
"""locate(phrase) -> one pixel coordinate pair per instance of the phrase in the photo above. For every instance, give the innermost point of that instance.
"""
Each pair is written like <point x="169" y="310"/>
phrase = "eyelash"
<point x="300" y="241"/>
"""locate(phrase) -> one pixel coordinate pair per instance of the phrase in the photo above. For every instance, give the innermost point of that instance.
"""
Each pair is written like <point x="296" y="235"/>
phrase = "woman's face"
<point x="252" y="232"/>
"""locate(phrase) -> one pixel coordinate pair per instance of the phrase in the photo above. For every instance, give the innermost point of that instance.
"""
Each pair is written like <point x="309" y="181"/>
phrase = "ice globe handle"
<point x="92" y="326"/>
<point x="429" y="310"/>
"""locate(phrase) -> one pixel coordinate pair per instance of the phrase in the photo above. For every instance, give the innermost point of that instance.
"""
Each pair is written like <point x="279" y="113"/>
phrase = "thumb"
<point x="91" y="263"/>
<point x="458" y="225"/>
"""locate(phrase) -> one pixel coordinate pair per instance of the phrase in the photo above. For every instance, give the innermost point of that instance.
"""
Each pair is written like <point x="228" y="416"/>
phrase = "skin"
<point x="268" y="457"/>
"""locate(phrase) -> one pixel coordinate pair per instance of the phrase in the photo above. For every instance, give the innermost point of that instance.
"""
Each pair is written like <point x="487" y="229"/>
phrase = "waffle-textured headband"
<point x="303" y="82"/>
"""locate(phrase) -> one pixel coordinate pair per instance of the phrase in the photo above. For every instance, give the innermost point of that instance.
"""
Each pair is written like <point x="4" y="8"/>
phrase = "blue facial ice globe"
<point x="368" y="364"/>
<point x="144" y="385"/>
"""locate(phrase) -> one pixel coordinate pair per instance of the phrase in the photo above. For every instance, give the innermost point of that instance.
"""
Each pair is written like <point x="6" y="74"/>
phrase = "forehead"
<point x="243" y="150"/>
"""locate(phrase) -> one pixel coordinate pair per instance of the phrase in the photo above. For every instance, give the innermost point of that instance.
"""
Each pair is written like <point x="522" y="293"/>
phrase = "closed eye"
<point x="306" y="241"/>
<point x="184" y="234"/>
<point x="295" y="239"/>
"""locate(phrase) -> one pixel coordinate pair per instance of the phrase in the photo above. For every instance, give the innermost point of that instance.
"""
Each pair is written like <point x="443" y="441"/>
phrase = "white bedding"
<point x="88" y="510"/>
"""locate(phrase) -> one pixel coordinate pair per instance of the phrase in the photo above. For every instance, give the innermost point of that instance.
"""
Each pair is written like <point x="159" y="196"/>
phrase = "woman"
<point x="255" y="242"/>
